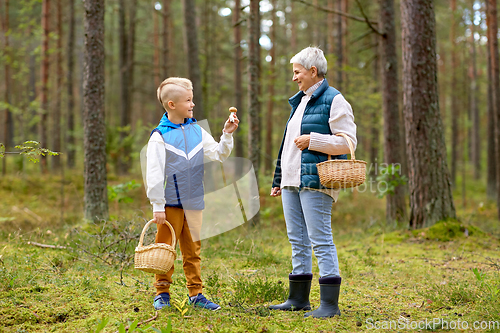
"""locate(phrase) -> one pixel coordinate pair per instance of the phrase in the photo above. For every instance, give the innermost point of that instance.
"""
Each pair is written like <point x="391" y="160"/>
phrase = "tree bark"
<point x="474" y="109"/>
<point x="495" y="88"/>
<point x="293" y="28"/>
<point x="167" y="33"/>
<point x="340" y="49"/>
<point x="95" y="189"/>
<point x="192" y="56"/>
<point x="238" y="90"/>
<point x="491" y="184"/>
<point x="375" y="119"/>
<point x="156" y="61"/>
<point x="345" y="32"/>
<point x="454" y="97"/>
<point x="126" y="62"/>
<point x="44" y="80"/>
<point x="253" y="90"/>
<point x="429" y="180"/>
<point x="56" y="131"/>
<point x="393" y="142"/>
<point x="7" y="134"/>
<point x="331" y="39"/>
<point x="268" y="163"/>
<point x="70" y="146"/>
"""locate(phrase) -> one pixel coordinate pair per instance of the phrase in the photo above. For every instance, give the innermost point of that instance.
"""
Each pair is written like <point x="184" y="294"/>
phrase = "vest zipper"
<point x="188" y="162"/>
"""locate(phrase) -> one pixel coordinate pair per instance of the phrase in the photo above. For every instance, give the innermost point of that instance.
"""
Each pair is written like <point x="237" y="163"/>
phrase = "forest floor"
<point x="443" y="278"/>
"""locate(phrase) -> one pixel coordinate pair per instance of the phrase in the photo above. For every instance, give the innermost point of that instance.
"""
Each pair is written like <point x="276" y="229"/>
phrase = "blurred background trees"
<point x="237" y="54"/>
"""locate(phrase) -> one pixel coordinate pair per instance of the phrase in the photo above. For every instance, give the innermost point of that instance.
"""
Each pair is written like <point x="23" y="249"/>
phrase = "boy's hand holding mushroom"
<point x="232" y="122"/>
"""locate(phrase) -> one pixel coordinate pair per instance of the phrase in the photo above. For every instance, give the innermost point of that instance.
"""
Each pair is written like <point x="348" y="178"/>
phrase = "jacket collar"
<point x="295" y="99"/>
<point x="166" y="123"/>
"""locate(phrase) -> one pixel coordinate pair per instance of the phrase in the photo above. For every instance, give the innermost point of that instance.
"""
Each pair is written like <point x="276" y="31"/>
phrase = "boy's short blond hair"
<point x="171" y="88"/>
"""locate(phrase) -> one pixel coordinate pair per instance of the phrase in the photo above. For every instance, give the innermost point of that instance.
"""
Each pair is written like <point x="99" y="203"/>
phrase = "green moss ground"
<point x="390" y="274"/>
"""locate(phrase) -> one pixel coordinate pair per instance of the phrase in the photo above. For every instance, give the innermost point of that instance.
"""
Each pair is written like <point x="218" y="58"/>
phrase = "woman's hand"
<point x="275" y="192"/>
<point x="302" y="142"/>
<point x="230" y="127"/>
<point x="159" y="217"/>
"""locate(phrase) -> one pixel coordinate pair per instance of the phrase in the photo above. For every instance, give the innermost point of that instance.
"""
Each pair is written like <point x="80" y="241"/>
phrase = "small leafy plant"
<point x="119" y="192"/>
<point x="181" y="306"/>
<point x="31" y="149"/>
<point x="392" y="178"/>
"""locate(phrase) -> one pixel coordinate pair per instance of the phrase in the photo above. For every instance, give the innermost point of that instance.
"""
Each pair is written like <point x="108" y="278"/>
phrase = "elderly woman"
<point x="318" y="113"/>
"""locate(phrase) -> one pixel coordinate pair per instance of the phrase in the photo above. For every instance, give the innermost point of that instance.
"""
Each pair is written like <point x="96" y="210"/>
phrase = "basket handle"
<point x="174" y="240"/>
<point x="349" y="143"/>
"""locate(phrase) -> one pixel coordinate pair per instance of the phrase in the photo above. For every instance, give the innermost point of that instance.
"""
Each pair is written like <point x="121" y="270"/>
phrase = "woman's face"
<point x="304" y="78"/>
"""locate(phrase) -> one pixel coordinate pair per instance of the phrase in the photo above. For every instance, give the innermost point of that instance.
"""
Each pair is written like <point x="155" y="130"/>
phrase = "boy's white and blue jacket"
<point x="175" y="157"/>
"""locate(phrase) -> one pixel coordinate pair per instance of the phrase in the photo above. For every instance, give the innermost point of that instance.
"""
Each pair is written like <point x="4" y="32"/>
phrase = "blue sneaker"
<point x="161" y="301"/>
<point x="201" y="302"/>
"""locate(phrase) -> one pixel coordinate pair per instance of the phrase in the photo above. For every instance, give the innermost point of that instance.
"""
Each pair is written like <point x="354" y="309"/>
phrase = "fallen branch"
<point x="143" y="322"/>
<point x="48" y="246"/>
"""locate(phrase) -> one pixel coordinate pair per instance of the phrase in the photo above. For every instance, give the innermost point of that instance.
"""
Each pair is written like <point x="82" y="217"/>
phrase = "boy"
<point x="174" y="182"/>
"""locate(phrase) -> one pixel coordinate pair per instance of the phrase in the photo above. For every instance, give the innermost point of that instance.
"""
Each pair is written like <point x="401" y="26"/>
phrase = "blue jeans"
<point x="308" y="222"/>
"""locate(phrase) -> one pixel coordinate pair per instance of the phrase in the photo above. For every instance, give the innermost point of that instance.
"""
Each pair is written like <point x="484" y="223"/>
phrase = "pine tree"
<point x="95" y="186"/>
<point x="429" y="179"/>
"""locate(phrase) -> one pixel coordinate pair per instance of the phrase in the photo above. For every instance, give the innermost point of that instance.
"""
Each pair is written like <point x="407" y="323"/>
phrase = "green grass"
<point x="389" y="273"/>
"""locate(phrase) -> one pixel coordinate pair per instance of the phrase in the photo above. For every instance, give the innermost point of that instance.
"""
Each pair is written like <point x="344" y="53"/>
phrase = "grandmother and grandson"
<point x="175" y="153"/>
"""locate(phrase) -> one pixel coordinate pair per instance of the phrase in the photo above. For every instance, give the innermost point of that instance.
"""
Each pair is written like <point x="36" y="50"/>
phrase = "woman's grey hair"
<point x="311" y="56"/>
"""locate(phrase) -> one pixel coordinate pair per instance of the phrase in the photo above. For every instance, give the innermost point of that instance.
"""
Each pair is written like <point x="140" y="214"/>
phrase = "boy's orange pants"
<point x="191" y="260"/>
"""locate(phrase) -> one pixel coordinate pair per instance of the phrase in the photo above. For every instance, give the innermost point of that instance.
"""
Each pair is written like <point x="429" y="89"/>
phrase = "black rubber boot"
<point x="298" y="296"/>
<point x="329" y="288"/>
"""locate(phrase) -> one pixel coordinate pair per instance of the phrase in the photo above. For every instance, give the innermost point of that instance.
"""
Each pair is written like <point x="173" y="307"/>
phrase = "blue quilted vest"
<point x="184" y="163"/>
<point x="315" y="119"/>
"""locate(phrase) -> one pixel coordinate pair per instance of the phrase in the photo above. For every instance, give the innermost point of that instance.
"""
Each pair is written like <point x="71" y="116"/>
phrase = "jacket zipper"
<point x="188" y="161"/>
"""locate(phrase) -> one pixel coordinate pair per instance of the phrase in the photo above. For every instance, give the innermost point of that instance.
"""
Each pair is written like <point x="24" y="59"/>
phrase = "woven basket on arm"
<point x="155" y="258"/>
<point x="339" y="174"/>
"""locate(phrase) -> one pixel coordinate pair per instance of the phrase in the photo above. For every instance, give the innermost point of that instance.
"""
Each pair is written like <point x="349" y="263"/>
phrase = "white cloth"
<point x="156" y="153"/>
<point x="341" y="120"/>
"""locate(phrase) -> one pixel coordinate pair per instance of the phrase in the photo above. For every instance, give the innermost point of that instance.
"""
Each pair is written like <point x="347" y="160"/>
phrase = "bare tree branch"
<point x="367" y="20"/>
<point x="329" y="10"/>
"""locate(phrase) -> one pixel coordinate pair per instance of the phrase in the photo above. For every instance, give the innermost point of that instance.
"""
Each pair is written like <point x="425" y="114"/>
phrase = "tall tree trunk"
<point x="192" y="56"/>
<point x="127" y="44"/>
<point x="56" y="131"/>
<point x="156" y="61"/>
<point x="393" y="143"/>
<point x="95" y="189"/>
<point x="210" y="63"/>
<point x="253" y="90"/>
<point x="491" y="184"/>
<point x="495" y="88"/>
<point x="454" y="96"/>
<point x="429" y="180"/>
<point x="45" y="79"/>
<point x="167" y="33"/>
<point x="331" y="40"/>
<point x="70" y="146"/>
<point x="474" y="109"/>
<point x="270" y="104"/>
<point x="7" y="135"/>
<point x="315" y="24"/>
<point x="238" y="90"/>
<point x="340" y="49"/>
<point x="375" y="119"/>
<point x="345" y="32"/>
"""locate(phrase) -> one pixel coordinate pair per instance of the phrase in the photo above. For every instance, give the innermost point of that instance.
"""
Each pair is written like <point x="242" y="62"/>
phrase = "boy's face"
<point x="183" y="107"/>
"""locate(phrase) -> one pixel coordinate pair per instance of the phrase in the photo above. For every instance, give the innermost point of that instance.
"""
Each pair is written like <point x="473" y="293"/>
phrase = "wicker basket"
<point x="155" y="258"/>
<point x="339" y="174"/>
